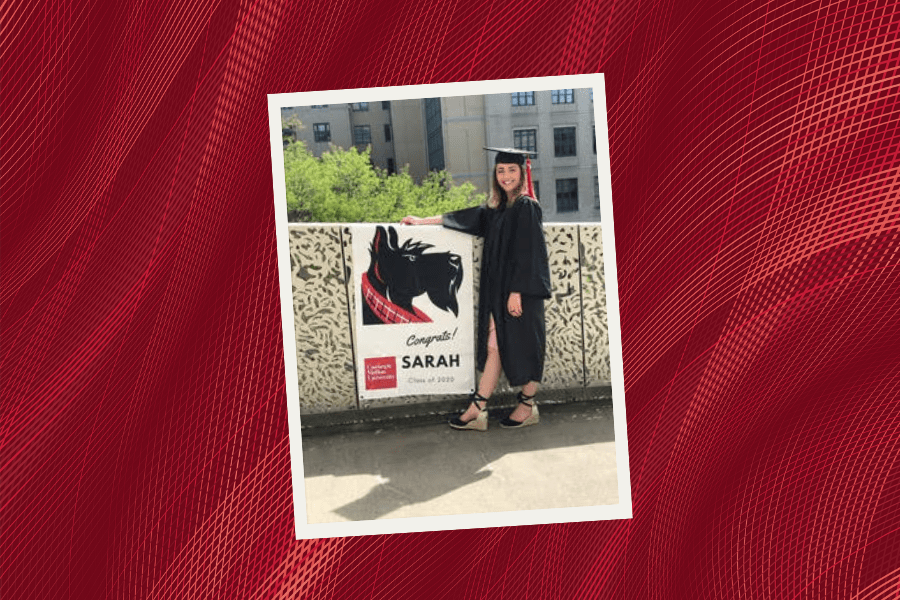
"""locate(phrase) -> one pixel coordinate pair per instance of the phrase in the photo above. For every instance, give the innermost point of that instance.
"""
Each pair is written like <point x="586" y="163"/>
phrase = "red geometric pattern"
<point x="755" y="153"/>
<point x="386" y="311"/>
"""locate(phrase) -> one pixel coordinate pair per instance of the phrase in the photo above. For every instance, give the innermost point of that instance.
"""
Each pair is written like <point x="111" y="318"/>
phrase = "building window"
<point x="562" y="96"/>
<point x="434" y="134"/>
<point x="566" y="195"/>
<point x="362" y="134"/>
<point x="322" y="132"/>
<point x="359" y="106"/>
<point x="526" y="139"/>
<point x="319" y="106"/>
<point x="387" y="132"/>
<point x="596" y="191"/>
<point x="385" y="105"/>
<point x="391" y="168"/>
<point x="523" y="98"/>
<point x="564" y="141"/>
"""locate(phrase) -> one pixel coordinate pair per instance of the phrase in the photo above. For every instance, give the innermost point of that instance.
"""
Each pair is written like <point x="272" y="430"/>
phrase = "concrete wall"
<point x="577" y="334"/>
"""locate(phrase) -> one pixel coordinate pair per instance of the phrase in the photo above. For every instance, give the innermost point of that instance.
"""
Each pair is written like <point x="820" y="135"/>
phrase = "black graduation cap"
<point x="511" y="156"/>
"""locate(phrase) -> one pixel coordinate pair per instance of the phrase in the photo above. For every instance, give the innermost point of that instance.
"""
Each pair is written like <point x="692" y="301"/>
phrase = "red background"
<point x="754" y="152"/>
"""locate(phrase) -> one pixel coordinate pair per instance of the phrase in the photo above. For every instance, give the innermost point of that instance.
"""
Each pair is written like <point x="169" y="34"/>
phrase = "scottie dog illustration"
<point x="397" y="274"/>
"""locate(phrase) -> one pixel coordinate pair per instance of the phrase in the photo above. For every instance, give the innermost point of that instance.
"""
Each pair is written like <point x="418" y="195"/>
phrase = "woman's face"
<point x="509" y="177"/>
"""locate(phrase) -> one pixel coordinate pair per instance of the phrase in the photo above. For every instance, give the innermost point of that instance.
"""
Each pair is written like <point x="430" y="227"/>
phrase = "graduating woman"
<point x="515" y="281"/>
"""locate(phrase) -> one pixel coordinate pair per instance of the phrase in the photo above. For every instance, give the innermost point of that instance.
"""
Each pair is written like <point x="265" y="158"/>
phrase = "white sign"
<point x="414" y="311"/>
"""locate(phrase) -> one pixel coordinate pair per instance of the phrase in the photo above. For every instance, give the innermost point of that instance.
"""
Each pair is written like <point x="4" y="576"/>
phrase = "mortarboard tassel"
<point x="530" y="190"/>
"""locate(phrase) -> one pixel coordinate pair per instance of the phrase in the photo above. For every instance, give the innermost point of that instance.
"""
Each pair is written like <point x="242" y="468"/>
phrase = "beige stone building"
<point x="408" y="121"/>
<point x="450" y="133"/>
<point x="559" y="126"/>
<point x="320" y="126"/>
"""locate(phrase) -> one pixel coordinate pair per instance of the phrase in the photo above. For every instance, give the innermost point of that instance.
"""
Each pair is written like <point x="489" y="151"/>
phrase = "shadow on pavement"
<point x="544" y="466"/>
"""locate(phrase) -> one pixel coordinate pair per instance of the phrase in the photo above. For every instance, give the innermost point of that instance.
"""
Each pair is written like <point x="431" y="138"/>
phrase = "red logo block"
<point x="381" y="373"/>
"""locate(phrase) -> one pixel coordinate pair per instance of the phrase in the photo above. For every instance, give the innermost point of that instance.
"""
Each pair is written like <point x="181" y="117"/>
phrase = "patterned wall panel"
<point x="593" y="294"/>
<point x="321" y="323"/>
<point x="325" y="323"/>
<point x="564" y="362"/>
<point x="347" y="247"/>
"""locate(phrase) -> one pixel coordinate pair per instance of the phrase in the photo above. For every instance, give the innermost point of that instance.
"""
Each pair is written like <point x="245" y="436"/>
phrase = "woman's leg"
<point x="491" y="374"/>
<point x="523" y="411"/>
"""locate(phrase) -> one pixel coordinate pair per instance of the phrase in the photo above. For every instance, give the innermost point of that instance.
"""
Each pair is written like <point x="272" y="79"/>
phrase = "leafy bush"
<point x="342" y="186"/>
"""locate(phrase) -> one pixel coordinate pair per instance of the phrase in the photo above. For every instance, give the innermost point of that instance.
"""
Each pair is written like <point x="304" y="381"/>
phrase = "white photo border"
<point x="305" y="530"/>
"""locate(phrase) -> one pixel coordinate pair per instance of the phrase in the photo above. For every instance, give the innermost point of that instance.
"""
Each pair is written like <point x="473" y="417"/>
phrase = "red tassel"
<point x="528" y="174"/>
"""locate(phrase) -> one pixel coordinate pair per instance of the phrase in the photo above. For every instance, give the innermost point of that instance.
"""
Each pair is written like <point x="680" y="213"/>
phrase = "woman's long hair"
<point x="498" y="194"/>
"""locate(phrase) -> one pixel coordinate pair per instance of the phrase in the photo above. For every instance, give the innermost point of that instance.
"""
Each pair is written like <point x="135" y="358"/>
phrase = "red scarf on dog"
<point x="387" y="311"/>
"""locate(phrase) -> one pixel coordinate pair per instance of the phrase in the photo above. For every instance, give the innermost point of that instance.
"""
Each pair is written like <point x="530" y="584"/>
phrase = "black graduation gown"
<point x="514" y="260"/>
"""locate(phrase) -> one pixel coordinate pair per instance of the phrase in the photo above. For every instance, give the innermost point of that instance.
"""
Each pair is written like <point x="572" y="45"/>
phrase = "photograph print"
<point x="381" y="292"/>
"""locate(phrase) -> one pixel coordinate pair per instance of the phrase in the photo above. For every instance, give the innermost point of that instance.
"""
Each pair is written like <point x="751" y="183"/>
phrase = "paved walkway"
<point x="567" y="460"/>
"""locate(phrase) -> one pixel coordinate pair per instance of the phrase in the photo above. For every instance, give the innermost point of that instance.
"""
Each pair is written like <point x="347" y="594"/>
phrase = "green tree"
<point x="342" y="186"/>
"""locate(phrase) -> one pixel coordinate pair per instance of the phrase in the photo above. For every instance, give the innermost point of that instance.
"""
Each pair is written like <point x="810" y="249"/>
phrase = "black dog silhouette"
<point x="397" y="274"/>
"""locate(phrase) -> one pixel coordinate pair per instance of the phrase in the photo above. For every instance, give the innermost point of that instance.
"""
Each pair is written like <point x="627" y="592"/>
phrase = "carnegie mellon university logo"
<point x="398" y="274"/>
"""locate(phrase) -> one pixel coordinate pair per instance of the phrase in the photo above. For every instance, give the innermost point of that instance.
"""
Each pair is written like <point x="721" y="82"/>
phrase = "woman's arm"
<point x="438" y="220"/>
<point x="468" y="220"/>
<point x="473" y="221"/>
